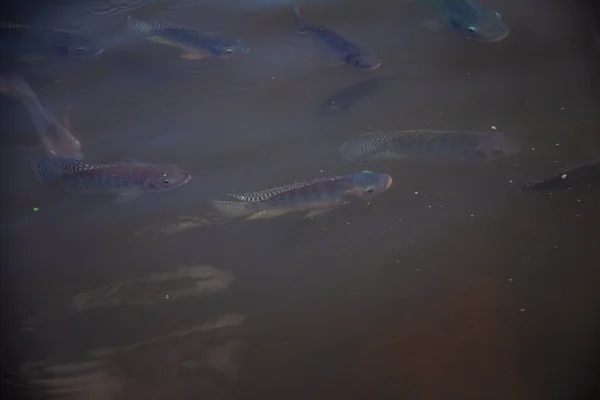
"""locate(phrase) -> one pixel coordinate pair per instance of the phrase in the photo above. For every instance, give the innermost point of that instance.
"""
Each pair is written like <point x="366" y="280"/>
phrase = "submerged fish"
<point x="470" y="19"/>
<point x="195" y="43"/>
<point x="55" y="137"/>
<point x="127" y="180"/>
<point x="316" y="196"/>
<point x="26" y="39"/>
<point x="347" y="97"/>
<point x="431" y="146"/>
<point x="586" y="176"/>
<point x="349" y="52"/>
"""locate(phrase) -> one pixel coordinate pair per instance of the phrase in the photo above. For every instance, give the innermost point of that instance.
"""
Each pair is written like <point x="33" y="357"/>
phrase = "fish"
<point x="126" y="180"/>
<point x="315" y="197"/>
<point x="582" y="177"/>
<point x="431" y="146"/>
<point x="21" y="40"/>
<point x="55" y="136"/>
<point x="349" y="52"/>
<point x="470" y="19"/>
<point x="346" y="98"/>
<point x="195" y="43"/>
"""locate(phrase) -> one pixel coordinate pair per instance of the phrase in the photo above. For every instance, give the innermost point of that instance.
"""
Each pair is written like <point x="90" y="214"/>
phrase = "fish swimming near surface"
<point x="431" y="146"/>
<point x="346" y="98"/>
<point x="22" y="40"/>
<point x="195" y="43"/>
<point x="582" y="177"/>
<point x="315" y="196"/>
<point x="55" y="136"/>
<point x="472" y="20"/>
<point x="127" y="180"/>
<point x="347" y="51"/>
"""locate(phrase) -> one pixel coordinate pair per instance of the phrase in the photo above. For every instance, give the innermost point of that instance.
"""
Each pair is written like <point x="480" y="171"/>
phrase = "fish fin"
<point x="298" y="21"/>
<point x="433" y="24"/>
<point x="139" y="25"/>
<point x="234" y="209"/>
<point x="268" y="214"/>
<point x="319" y="211"/>
<point x="195" y="55"/>
<point x="127" y="197"/>
<point x="47" y="169"/>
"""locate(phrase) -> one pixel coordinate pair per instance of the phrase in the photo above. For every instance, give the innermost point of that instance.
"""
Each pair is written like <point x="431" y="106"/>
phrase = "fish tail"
<point x="47" y="170"/>
<point x="298" y="21"/>
<point x="235" y="209"/>
<point x="139" y="25"/>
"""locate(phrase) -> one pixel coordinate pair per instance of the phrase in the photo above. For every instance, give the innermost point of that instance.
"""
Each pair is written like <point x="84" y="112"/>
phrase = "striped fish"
<point x="347" y="51"/>
<point x="315" y="196"/>
<point x="127" y="180"/>
<point x="431" y="146"/>
<point x="195" y="43"/>
<point x="20" y="40"/>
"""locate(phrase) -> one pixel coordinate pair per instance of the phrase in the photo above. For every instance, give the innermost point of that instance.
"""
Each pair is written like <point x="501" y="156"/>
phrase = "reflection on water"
<point x="454" y="282"/>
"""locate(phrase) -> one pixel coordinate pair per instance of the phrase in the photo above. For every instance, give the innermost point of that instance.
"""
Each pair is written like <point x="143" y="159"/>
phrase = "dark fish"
<point x="345" y="98"/>
<point x="431" y="146"/>
<point x="470" y="19"/>
<point x="349" y="52"/>
<point x="55" y="137"/>
<point x="19" y="40"/>
<point x="127" y="180"/>
<point x="316" y="196"/>
<point x="586" y="176"/>
<point x="195" y="43"/>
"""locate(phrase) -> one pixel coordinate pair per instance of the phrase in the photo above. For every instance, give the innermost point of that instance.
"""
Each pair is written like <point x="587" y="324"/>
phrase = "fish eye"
<point x="166" y="181"/>
<point x="471" y="29"/>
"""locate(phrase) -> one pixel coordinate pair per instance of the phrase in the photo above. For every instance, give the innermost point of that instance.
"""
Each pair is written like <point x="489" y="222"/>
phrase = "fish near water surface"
<point x="127" y="180"/>
<point x="582" y="177"/>
<point x="56" y="137"/>
<point x="469" y="18"/>
<point x="346" y="98"/>
<point x="195" y="43"/>
<point x="347" y="51"/>
<point x="20" y="40"/>
<point x="431" y="146"/>
<point x="315" y="196"/>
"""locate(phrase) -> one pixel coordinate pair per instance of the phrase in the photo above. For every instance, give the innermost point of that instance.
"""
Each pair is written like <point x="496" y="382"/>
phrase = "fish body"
<point x="55" y="136"/>
<point x="469" y="18"/>
<point x="586" y="176"/>
<point x="128" y="180"/>
<point x="18" y="39"/>
<point x="315" y="196"/>
<point x="347" y="97"/>
<point x="349" y="52"/>
<point x="431" y="146"/>
<point x="195" y="43"/>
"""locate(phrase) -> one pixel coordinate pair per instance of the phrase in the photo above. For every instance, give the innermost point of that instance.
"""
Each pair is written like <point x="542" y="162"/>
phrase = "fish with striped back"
<point x="21" y="40"/>
<point x="351" y="53"/>
<point x="126" y="180"/>
<point x="55" y="136"/>
<point x="431" y="146"/>
<point x="469" y="18"/>
<point x="196" y="44"/>
<point x="315" y="197"/>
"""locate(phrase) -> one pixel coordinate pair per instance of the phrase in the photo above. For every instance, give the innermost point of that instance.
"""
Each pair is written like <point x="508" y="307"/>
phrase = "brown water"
<point x="454" y="284"/>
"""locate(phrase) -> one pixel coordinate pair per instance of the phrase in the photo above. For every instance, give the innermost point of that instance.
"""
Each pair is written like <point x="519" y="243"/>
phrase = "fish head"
<point x="478" y="23"/>
<point x="230" y="47"/>
<point x="363" y="60"/>
<point x="71" y="45"/>
<point x="369" y="184"/>
<point x="497" y="146"/>
<point x="166" y="177"/>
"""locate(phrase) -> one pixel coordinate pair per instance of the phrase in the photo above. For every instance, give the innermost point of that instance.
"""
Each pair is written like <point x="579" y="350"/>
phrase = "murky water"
<point x="453" y="284"/>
